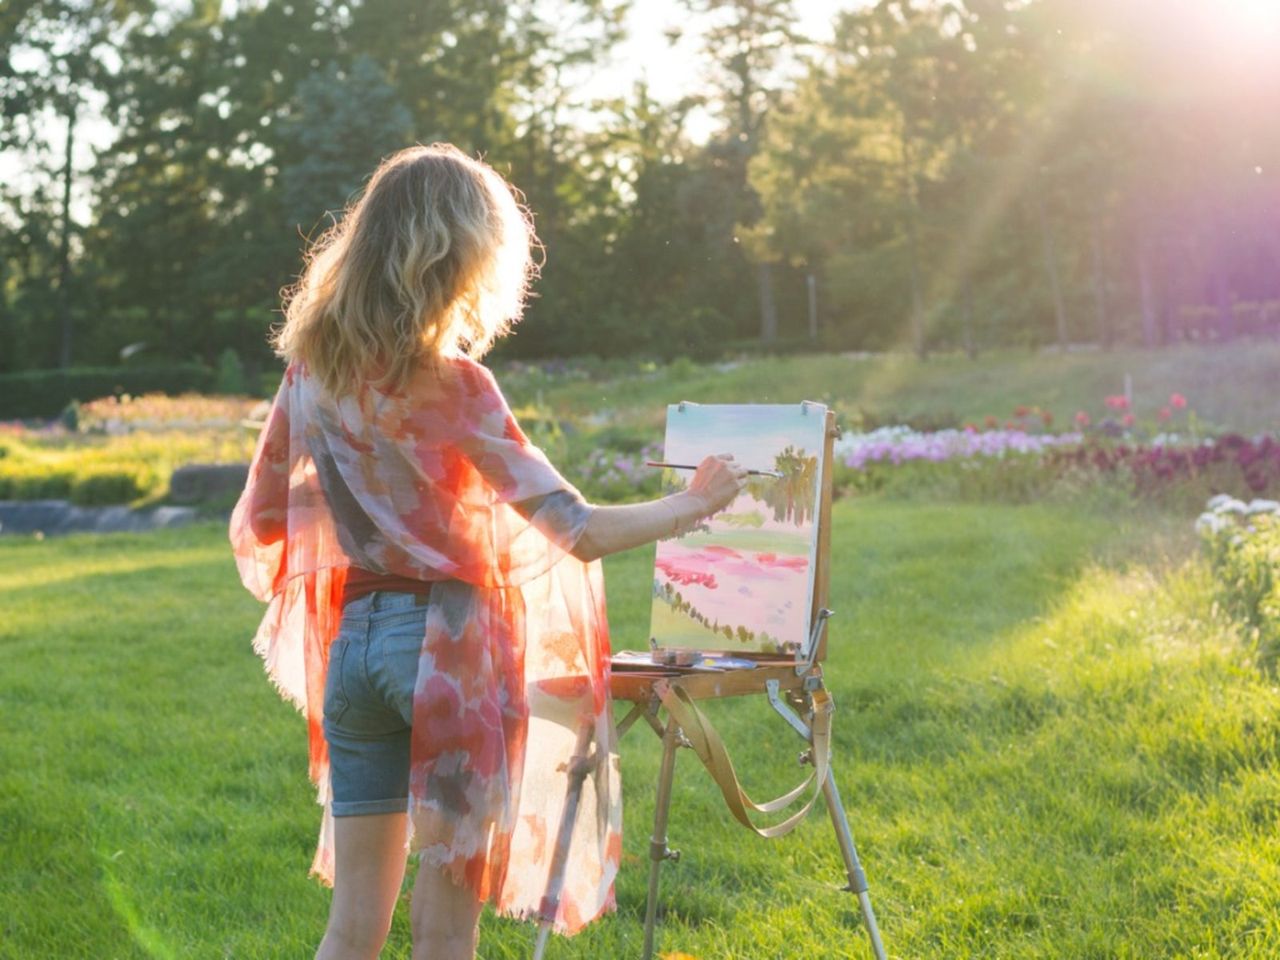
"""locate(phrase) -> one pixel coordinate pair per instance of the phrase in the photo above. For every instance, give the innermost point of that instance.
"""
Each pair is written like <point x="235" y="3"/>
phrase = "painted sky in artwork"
<point x="743" y="582"/>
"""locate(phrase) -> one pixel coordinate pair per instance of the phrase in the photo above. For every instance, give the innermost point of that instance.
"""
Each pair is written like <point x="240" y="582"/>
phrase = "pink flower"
<point x="1127" y="420"/>
<point x="1165" y="413"/>
<point x="1118" y="402"/>
<point x="1082" y="419"/>
<point x="1177" y="401"/>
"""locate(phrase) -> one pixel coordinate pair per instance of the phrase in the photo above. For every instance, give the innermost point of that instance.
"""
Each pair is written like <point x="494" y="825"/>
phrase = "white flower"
<point x="1262" y="506"/>
<point x="1230" y="505"/>
<point x="1209" y="524"/>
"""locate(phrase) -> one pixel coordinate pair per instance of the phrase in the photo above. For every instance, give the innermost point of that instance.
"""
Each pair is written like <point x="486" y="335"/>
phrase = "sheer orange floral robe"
<point x="425" y="483"/>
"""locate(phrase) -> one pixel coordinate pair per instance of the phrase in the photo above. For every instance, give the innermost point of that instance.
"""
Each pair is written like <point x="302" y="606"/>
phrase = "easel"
<point x="795" y="690"/>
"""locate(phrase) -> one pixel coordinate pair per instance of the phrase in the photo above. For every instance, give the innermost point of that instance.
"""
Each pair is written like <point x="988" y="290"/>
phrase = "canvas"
<point x="742" y="581"/>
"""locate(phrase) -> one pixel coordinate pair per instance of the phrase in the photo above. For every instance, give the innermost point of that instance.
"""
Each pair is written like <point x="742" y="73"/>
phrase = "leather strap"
<point x="711" y="751"/>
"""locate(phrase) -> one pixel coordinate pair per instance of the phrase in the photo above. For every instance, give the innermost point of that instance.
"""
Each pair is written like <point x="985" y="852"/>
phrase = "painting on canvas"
<point x="743" y="579"/>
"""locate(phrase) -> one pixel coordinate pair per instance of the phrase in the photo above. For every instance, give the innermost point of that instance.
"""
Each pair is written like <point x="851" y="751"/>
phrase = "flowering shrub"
<point x="1243" y="544"/>
<point x="617" y="476"/>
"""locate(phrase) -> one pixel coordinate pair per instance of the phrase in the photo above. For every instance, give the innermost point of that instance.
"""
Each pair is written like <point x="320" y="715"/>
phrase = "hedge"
<point x="46" y="393"/>
<point x="91" y="485"/>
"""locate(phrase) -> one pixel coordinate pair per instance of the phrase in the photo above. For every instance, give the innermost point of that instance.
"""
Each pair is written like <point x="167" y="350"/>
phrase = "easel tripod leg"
<point x="857" y="878"/>
<point x="658" y="841"/>
<point x="580" y="767"/>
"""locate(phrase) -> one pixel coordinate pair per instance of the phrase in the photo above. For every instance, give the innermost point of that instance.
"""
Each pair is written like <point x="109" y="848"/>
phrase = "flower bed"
<point x="1165" y="456"/>
<point x="900" y="444"/>
<point x="616" y="476"/>
<point x="157" y="412"/>
<point x="102" y="469"/>
<point x="1230" y="464"/>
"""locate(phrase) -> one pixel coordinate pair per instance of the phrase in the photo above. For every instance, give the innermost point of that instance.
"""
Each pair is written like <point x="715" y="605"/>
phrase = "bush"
<point x="46" y="393"/>
<point x="111" y="484"/>
<point x="231" y="375"/>
<point x="1243" y="543"/>
<point x="94" y="484"/>
<point x="21" y="480"/>
<point x="99" y="469"/>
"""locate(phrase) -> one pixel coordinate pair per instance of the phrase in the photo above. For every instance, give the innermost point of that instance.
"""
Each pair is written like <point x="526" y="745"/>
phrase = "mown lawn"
<point x="1049" y="743"/>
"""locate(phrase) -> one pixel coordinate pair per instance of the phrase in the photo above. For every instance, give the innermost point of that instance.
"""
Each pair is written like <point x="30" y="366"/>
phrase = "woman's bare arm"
<point x="614" y="528"/>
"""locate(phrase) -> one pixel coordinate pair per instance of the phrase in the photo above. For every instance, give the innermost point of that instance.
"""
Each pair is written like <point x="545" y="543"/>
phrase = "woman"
<point x="436" y="604"/>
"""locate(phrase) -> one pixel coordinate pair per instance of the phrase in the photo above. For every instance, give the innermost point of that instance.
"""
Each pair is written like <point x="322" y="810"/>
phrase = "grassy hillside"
<point x="1050" y="745"/>
<point x="1236" y="386"/>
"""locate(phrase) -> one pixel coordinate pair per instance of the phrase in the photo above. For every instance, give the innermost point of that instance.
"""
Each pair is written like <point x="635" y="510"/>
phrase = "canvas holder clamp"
<point x="706" y="743"/>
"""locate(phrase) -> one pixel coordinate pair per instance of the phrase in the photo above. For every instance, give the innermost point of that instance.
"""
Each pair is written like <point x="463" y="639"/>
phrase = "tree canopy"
<point x="939" y="175"/>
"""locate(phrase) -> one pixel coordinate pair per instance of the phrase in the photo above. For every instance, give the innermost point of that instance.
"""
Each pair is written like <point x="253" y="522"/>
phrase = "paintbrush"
<point x="693" y="466"/>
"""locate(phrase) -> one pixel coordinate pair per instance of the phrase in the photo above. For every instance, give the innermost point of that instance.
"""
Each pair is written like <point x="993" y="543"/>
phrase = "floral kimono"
<point x="438" y="482"/>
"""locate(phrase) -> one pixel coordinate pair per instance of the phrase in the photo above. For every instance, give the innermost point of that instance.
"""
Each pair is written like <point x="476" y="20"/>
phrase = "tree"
<point x="55" y="53"/>
<point x="343" y="123"/>
<point x="746" y="40"/>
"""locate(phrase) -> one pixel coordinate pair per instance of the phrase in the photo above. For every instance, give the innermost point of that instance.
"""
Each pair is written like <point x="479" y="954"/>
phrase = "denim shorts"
<point x="368" y="702"/>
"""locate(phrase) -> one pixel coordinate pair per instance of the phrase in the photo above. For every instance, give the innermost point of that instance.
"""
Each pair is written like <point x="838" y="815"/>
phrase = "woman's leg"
<point x="446" y="917"/>
<point x="369" y="861"/>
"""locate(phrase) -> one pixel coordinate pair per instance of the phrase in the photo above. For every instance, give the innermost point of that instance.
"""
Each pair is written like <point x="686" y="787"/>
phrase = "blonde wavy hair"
<point x="432" y="260"/>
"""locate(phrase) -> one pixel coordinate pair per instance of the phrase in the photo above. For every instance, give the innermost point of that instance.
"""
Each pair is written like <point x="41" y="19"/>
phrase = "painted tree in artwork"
<point x="793" y="496"/>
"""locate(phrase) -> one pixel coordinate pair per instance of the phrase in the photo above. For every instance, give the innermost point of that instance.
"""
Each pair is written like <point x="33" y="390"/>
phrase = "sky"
<point x="670" y="71"/>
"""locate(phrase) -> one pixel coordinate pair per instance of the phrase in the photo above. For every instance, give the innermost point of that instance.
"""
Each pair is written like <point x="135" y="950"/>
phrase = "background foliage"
<point x="951" y="175"/>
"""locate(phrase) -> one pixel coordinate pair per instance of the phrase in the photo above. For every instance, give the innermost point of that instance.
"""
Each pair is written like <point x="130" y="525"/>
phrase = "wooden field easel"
<point x="795" y="690"/>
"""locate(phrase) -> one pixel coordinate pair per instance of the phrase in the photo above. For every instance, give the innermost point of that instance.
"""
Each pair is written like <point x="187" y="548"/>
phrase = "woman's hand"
<point x="717" y="481"/>
<point x="612" y="528"/>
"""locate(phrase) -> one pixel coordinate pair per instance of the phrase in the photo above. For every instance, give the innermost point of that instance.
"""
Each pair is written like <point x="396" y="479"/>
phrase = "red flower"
<point x="1021" y="411"/>
<point x="1127" y="419"/>
<point x="1118" y="402"/>
<point x="1082" y="419"/>
<point x="1177" y="401"/>
<point x="1046" y="417"/>
<point x="991" y="422"/>
<point x="1165" y="413"/>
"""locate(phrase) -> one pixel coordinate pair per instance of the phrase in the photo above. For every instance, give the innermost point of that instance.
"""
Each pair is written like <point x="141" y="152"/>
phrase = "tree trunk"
<point x="8" y="344"/>
<point x="970" y="341"/>
<point x="1222" y="299"/>
<point x="768" y="307"/>
<point x="913" y="253"/>
<point x="64" y="251"/>
<point x="1051" y="268"/>
<point x="1100" y="285"/>
<point x="811" y="285"/>
<point x="1150" y="311"/>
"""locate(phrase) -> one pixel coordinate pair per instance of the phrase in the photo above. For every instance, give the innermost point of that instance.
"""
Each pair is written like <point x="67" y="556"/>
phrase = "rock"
<point x="201" y="482"/>
<point x="61" y="516"/>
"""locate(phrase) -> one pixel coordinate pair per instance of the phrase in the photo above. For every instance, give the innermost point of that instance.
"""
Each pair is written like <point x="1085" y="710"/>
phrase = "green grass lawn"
<point x="1229" y="386"/>
<point x="1049" y="743"/>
